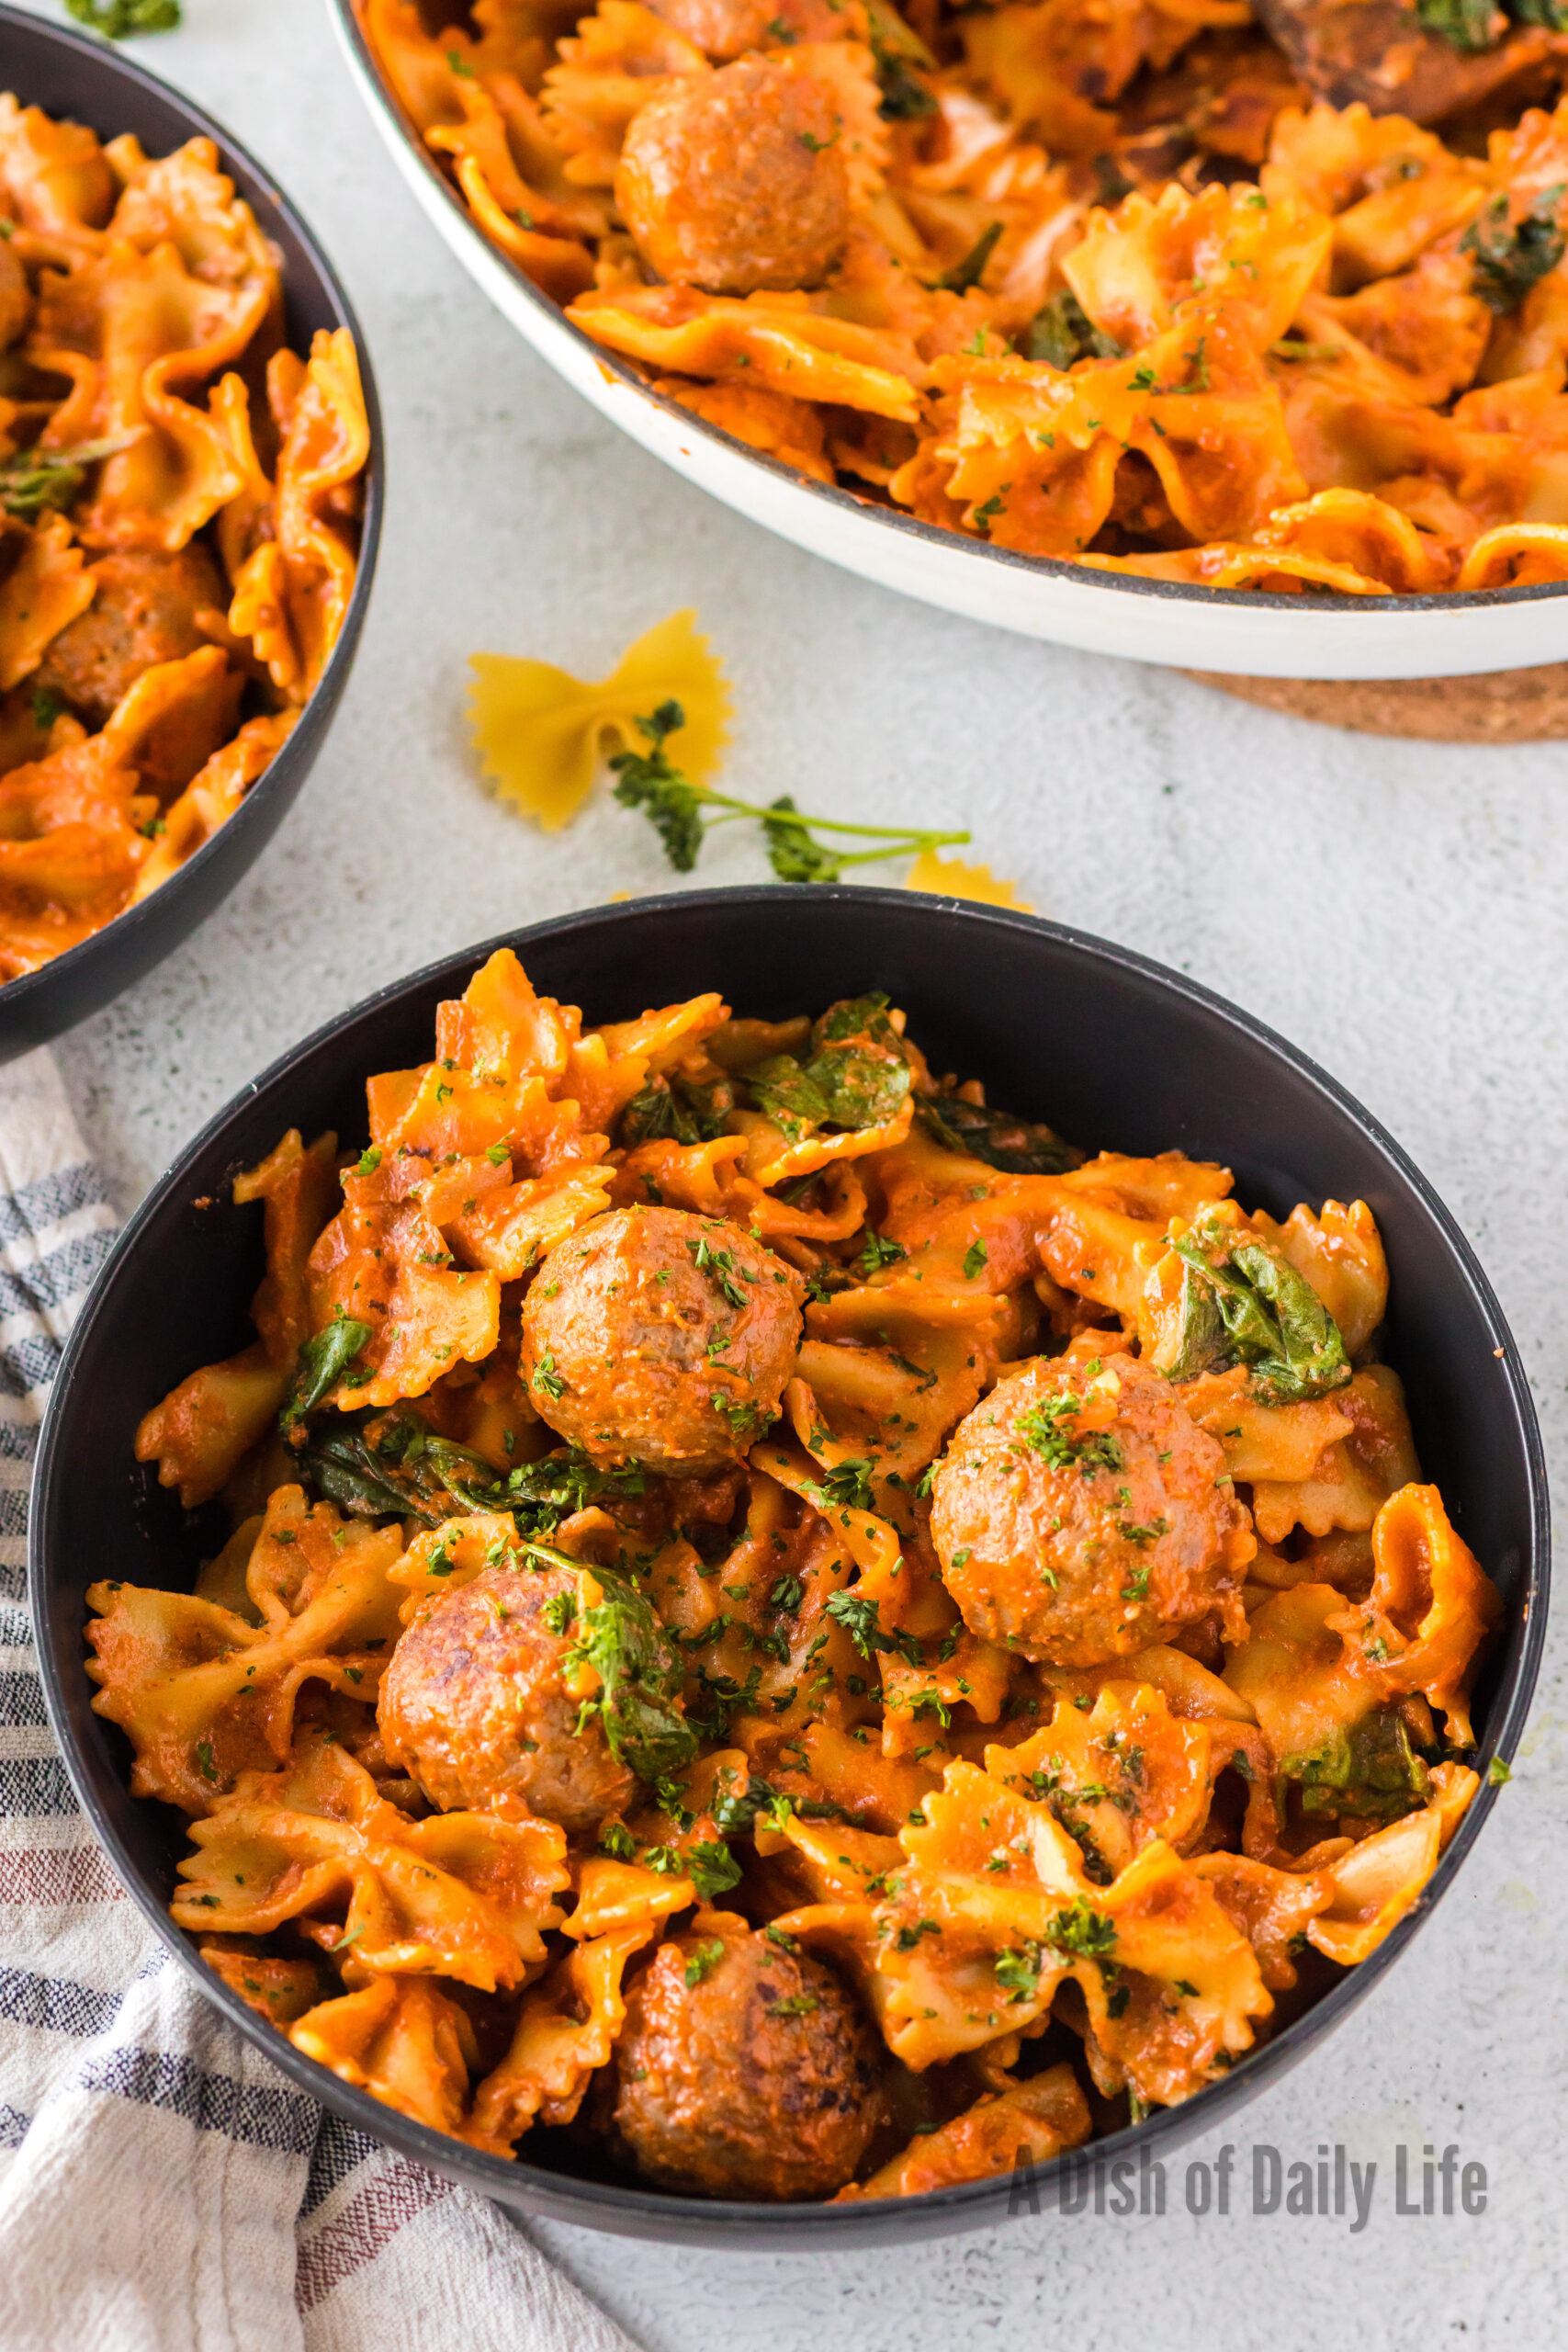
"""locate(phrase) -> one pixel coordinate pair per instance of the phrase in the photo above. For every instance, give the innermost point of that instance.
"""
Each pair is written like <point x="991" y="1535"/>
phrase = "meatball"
<point x="735" y="180"/>
<point x="1080" y="1513"/>
<point x="144" y="611"/>
<point x="473" y="1707"/>
<point x="1382" y="54"/>
<point x="760" y="2078"/>
<point x="656" y="1336"/>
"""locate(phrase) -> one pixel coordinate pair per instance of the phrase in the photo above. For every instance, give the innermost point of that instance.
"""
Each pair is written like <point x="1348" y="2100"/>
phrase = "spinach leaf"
<point x="1371" y="1772"/>
<point x="1018" y="1146"/>
<point x="904" y="97"/>
<point x="666" y="1111"/>
<point x="785" y="1090"/>
<point x="1200" y="1344"/>
<point x="1509" y="260"/>
<point x="865" y="1085"/>
<point x="849" y="1086"/>
<point x="1465" y="25"/>
<point x="1063" y="332"/>
<point x="856" y="1016"/>
<point x="972" y="269"/>
<point x="1273" y="1320"/>
<point x="640" y="1675"/>
<point x="322" y="1363"/>
<point x="379" y="1465"/>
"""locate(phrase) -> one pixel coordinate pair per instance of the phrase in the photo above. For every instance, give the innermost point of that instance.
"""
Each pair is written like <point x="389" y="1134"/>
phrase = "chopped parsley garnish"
<point x="877" y="1251"/>
<point x="703" y="1960"/>
<point x="1047" y="1428"/>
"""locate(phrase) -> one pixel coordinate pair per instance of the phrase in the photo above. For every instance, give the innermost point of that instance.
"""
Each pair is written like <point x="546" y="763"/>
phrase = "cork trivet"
<point x="1515" y="707"/>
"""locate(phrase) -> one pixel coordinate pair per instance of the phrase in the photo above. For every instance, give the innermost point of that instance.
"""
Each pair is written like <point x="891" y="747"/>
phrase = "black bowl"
<point x="68" y="73"/>
<point x="1113" y="1050"/>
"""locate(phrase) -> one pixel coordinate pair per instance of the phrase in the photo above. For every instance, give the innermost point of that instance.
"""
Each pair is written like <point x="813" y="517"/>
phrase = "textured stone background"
<point x="1396" y="910"/>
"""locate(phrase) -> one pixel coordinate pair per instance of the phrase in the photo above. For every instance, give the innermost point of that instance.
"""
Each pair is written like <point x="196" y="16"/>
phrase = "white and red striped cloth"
<point x="163" y="2187"/>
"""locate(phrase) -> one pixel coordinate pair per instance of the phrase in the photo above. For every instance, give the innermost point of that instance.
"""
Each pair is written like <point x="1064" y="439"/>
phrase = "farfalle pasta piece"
<point x="402" y="2040"/>
<point x="1431" y="1610"/>
<point x="779" y="340"/>
<point x="126" y="329"/>
<point x="1354" y="1475"/>
<point x="613" y="1896"/>
<point x="540" y="733"/>
<point x="54" y="176"/>
<point x="1002" y="1884"/>
<point x="203" y="1428"/>
<point x="1028" y="2123"/>
<point x="463" y="1895"/>
<point x="567" y="2029"/>
<point x="291" y="594"/>
<point x="532" y="226"/>
<point x="382" y="1263"/>
<point x="205" y="1695"/>
<point x="1373" y="1886"/>
<point x="1125" y="1770"/>
<point x="483" y="1150"/>
<point x="212" y="798"/>
<point x="44" y="590"/>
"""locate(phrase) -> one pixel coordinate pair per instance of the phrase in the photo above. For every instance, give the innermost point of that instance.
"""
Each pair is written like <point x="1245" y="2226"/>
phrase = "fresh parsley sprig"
<point x="650" y="783"/>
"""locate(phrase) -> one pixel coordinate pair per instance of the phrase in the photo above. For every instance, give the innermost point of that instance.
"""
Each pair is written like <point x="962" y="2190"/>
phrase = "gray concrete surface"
<point x="1397" y="910"/>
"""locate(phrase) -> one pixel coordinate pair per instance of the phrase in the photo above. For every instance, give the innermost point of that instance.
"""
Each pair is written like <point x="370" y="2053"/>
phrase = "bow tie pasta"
<point x="179" y="520"/>
<point x="1161" y="289"/>
<point x="779" y="1613"/>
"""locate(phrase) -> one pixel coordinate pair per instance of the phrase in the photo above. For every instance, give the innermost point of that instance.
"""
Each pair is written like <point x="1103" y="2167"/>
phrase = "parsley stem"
<point x="650" y="783"/>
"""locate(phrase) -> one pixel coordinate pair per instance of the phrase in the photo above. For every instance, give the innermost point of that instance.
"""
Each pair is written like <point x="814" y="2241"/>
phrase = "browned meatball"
<point x="745" y="2073"/>
<point x="735" y="180"/>
<point x="1080" y="1513"/>
<point x="144" y="611"/>
<point x="656" y="1336"/>
<point x="473" y="1707"/>
<point x="1383" y="54"/>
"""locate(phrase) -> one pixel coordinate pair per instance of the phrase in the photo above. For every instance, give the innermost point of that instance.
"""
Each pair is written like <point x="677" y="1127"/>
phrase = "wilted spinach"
<point x="1063" y="331"/>
<point x="1273" y="1318"/>
<point x="1018" y="1146"/>
<point x="322" y="1363"/>
<point x="1370" y="1773"/>
<point x="1508" y="258"/>
<point x="640" y="1675"/>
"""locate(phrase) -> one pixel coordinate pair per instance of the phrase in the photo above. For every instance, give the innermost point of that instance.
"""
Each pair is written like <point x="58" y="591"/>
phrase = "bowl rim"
<point x="17" y="995"/>
<point x="1327" y="601"/>
<point x="638" y="2211"/>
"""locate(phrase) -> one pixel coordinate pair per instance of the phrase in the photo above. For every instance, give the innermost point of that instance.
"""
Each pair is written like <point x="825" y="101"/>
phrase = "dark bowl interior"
<point x="1113" y="1050"/>
<point x="68" y="73"/>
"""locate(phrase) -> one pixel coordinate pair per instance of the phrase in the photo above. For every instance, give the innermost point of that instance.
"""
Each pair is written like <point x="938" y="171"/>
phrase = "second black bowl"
<point x="1113" y="1051"/>
<point x="85" y="81"/>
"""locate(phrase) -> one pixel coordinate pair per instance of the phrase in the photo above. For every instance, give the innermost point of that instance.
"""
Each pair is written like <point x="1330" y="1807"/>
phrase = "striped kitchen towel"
<point x="163" y="2187"/>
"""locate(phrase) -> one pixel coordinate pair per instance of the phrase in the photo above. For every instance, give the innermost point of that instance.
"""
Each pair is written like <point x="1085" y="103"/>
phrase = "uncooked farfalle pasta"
<point x="1134" y="285"/>
<point x="180" y="497"/>
<point x="781" y="1617"/>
